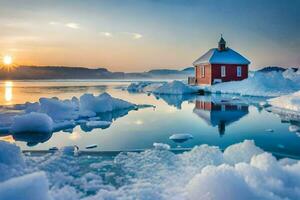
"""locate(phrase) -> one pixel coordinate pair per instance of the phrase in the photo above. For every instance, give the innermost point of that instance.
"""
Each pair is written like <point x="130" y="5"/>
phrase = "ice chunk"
<point x="10" y="154"/>
<point x="57" y="109"/>
<point x="28" y="187"/>
<point x="161" y="146"/>
<point x="180" y="137"/>
<point x="33" y="123"/>
<point x="289" y="102"/>
<point x="175" y="87"/>
<point x="70" y="150"/>
<point x="221" y="182"/>
<point x="260" y="84"/>
<point x="102" y="103"/>
<point x="294" y="128"/>
<point x="241" y="152"/>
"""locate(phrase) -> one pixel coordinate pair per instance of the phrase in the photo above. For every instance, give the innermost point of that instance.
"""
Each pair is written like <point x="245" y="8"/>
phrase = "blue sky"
<point x="138" y="35"/>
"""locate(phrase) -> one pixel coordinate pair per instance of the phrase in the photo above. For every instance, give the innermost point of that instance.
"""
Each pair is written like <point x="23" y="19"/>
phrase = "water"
<point x="221" y="123"/>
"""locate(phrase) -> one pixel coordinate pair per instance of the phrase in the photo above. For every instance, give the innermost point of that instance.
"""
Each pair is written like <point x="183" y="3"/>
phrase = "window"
<point x="223" y="71"/>
<point x="202" y="71"/>
<point x="239" y="71"/>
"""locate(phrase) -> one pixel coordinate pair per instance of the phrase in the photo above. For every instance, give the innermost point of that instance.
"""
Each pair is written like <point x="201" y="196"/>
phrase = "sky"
<point x="139" y="35"/>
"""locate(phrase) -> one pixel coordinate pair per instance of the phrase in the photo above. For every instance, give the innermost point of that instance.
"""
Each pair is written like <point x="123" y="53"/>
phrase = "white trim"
<point x="223" y="71"/>
<point x="202" y="71"/>
<point x="239" y="71"/>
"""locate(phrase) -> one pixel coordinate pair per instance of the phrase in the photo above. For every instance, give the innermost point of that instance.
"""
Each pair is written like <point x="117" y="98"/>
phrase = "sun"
<point x="7" y="60"/>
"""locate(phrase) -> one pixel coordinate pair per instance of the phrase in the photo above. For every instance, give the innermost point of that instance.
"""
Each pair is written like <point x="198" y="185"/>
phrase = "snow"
<point x="144" y="86"/>
<point x="259" y="84"/>
<point x="102" y="103"/>
<point x="180" y="137"/>
<point x="243" y="171"/>
<point x="294" y="128"/>
<point x="290" y="102"/>
<point x="59" y="110"/>
<point x="53" y="115"/>
<point x="10" y="154"/>
<point x="175" y="87"/>
<point x="161" y="146"/>
<point x="214" y="56"/>
<point x="241" y="152"/>
<point x="32" y="123"/>
<point x="28" y="187"/>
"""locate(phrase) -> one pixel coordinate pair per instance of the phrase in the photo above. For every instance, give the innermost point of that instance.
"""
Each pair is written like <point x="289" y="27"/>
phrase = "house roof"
<point x="214" y="56"/>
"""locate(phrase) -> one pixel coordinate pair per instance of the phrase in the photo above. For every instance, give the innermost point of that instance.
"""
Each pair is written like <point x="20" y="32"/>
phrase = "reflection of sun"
<point x="8" y="91"/>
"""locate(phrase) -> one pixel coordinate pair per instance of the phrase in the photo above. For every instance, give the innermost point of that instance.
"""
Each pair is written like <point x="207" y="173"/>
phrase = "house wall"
<point x="231" y="72"/>
<point x="206" y="80"/>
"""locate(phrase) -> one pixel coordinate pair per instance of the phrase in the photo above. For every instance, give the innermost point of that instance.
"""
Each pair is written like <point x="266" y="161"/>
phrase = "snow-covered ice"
<point x="52" y="114"/>
<point x="243" y="171"/>
<point x="175" y="87"/>
<point x="180" y="137"/>
<point x="32" y="123"/>
<point x="260" y="84"/>
<point x="161" y="146"/>
<point x="290" y="102"/>
<point x="28" y="187"/>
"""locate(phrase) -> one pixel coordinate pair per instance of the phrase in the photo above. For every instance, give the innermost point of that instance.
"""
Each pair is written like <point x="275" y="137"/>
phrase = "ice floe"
<point x="28" y="187"/>
<point x="32" y="123"/>
<point x="259" y="84"/>
<point x="290" y="102"/>
<point x="243" y="171"/>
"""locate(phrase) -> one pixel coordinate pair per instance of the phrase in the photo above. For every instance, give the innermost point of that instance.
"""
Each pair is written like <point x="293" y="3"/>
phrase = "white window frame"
<point x="223" y="71"/>
<point x="239" y="71"/>
<point x="202" y="71"/>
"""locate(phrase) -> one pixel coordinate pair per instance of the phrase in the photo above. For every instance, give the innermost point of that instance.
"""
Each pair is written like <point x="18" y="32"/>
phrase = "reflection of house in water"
<point x="220" y="114"/>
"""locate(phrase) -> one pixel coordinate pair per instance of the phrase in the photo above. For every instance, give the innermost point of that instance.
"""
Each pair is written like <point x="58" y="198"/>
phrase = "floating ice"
<point x="102" y="103"/>
<point x="180" y="137"/>
<point x="289" y="102"/>
<point x="28" y="187"/>
<point x="11" y="161"/>
<point x="260" y="84"/>
<point x="243" y="171"/>
<point x="59" y="110"/>
<point x="294" y="128"/>
<point x="175" y="87"/>
<point x="161" y="146"/>
<point x="70" y="150"/>
<point x="241" y="152"/>
<point x="32" y="123"/>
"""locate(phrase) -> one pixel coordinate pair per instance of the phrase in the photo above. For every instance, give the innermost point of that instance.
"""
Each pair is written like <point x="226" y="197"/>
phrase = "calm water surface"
<point x="211" y="120"/>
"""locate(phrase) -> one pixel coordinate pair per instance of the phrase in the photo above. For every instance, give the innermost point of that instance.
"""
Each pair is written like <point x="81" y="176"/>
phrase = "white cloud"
<point x="54" y="23"/>
<point x="137" y="36"/>
<point x="72" y="25"/>
<point x="106" y="34"/>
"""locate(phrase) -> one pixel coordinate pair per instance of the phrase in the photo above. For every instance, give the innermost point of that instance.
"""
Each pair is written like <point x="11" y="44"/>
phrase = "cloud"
<point x="54" y="23"/>
<point x="106" y="34"/>
<point x="135" y="36"/>
<point x="72" y="25"/>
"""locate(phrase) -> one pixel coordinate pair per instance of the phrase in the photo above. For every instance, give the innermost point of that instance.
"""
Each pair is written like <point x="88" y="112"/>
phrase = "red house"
<point x="218" y="65"/>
